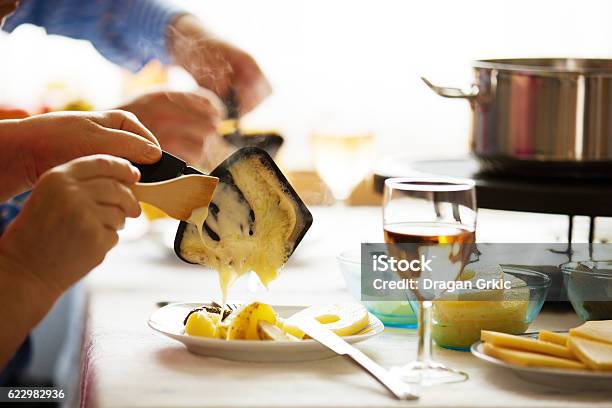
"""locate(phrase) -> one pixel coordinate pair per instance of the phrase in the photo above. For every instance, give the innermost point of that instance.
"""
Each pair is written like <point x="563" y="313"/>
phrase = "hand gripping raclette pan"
<point x="254" y="212"/>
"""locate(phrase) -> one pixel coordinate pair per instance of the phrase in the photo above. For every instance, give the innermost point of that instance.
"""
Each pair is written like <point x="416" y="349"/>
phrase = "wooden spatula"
<point x="178" y="197"/>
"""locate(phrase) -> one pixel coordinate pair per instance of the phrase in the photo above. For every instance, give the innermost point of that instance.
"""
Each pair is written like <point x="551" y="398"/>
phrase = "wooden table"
<point x="127" y="364"/>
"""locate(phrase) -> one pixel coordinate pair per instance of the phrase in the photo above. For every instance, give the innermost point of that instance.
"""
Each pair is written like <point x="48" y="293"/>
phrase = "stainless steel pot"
<point x="544" y="116"/>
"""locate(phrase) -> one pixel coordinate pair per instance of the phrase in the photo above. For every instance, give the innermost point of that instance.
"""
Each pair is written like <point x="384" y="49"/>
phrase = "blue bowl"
<point x="391" y="313"/>
<point x="589" y="288"/>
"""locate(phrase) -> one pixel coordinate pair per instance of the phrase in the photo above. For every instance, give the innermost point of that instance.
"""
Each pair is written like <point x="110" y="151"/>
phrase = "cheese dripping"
<point x="197" y="218"/>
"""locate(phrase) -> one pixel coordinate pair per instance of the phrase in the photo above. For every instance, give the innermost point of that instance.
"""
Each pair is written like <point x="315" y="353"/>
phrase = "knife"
<point x="338" y="345"/>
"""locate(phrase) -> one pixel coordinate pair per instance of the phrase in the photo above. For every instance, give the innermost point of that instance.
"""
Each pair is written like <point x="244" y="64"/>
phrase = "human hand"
<point x="217" y="65"/>
<point x="33" y="145"/>
<point x="181" y="121"/>
<point x="70" y="221"/>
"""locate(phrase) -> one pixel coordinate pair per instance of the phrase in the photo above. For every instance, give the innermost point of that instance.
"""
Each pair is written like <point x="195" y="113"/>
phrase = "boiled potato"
<point x="202" y="324"/>
<point x="242" y="324"/>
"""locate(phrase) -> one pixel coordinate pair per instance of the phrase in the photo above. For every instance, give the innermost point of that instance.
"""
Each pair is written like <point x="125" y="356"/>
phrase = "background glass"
<point x="430" y="211"/>
<point x="342" y="160"/>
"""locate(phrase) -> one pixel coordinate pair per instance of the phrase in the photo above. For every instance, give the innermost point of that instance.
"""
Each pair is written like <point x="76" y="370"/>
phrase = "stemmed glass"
<point x="430" y="215"/>
<point x="342" y="160"/>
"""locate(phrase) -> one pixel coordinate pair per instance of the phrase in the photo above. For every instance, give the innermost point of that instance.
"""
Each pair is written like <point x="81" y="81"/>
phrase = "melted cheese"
<point x="243" y="246"/>
<point x="197" y="218"/>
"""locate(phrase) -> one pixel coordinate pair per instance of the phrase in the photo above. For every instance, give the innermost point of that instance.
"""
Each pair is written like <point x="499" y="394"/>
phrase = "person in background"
<point x="71" y="218"/>
<point x="131" y="33"/>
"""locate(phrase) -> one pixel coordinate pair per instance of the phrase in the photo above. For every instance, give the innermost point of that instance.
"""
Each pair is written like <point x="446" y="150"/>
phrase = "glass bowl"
<point x="589" y="288"/>
<point x="391" y="313"/>
<point x="458" y="320"/>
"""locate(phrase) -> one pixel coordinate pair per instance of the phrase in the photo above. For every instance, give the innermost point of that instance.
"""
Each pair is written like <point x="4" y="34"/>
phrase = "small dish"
<point x="391" y="313"/>
<point x="589" y="288"/>
<point x="552" y="377"/>
<point x="168" y="321"/>
<point x="457" y="323"/>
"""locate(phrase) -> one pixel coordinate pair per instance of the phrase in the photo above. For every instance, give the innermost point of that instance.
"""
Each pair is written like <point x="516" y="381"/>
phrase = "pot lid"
<point x="548" y="65"/>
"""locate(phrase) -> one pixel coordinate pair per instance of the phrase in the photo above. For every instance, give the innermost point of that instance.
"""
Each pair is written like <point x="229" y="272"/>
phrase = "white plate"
<point x="552" y="377"/>
<point x="169" y="321"/>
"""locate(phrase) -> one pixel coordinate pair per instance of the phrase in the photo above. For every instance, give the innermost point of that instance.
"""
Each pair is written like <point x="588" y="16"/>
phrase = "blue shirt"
<point x="10" y="209"/>
<point x="129" y="33"/>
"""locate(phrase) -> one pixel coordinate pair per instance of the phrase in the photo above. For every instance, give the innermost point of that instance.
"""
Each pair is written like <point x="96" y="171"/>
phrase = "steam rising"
<point x="201" y="56"/>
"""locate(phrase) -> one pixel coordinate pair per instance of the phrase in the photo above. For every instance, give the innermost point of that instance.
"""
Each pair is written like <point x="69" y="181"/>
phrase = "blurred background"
<point x="332" y="59"/>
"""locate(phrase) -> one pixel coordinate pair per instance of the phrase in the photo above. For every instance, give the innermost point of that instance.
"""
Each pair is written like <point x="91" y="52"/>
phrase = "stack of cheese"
<point x="587" y="347"/>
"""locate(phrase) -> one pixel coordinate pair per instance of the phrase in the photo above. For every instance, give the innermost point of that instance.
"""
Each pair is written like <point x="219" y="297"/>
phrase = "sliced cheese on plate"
<point x="344" y="319"/>
<point x="599" y="330"/>
<point x="596" y="355"/>
<point x="525" y="344"/>
<point x="529" y="359"/>
<point x="553" y="337"/>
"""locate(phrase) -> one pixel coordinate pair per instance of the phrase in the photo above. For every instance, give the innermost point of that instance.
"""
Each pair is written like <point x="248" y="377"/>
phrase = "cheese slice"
<point x="594" y="354"/>
<point x="526" y="344"/>
<point x="553" y="337"/>
<point x="344" y="319"/>
<point x="598" y="330"/>
<point x="529" y="359"/>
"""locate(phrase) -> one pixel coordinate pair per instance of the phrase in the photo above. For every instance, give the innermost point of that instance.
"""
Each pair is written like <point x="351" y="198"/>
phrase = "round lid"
<point x="599" y="66"/>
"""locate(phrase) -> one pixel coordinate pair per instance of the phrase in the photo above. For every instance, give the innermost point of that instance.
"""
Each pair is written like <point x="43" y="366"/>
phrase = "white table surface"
<point x="126" y="364"/>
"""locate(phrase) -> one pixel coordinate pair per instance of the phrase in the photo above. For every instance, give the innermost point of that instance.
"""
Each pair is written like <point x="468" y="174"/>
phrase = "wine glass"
<point x="342" y="160"/>
<point x="428" y="215"/>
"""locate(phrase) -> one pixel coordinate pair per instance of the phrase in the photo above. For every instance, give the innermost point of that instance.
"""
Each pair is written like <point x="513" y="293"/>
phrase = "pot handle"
<point x="453" y="92"/>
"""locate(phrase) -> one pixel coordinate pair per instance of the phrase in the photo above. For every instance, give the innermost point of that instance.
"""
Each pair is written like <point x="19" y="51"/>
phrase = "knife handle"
<point x="168" y="167"/>
<point x="400" y="389"/>
<point x="231" y="104"/>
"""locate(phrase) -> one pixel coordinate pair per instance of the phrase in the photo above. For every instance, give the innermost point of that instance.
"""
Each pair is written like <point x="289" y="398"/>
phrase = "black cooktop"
<point x="570" y="196"/>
